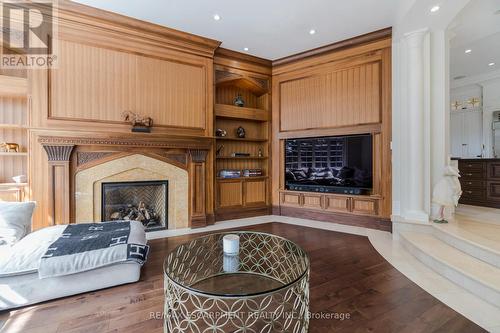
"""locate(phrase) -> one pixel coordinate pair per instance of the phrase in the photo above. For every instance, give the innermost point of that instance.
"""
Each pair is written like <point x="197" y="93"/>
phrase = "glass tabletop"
<point x="265" y="263"/>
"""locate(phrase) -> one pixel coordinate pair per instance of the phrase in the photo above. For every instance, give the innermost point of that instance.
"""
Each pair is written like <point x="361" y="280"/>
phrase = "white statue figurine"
<point x="447" y="192"/>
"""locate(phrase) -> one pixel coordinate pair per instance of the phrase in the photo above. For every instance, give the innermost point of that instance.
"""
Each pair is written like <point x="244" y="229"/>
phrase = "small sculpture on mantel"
<point x="238" y="101"/>
<point x="9" y="147"/>
<point x="139" y="123"/>
<point x="447" y="192"/>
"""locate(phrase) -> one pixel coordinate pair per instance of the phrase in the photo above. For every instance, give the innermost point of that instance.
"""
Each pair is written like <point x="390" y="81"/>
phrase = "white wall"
<point x="489" y="87"/>
<point x="460" y="133"/>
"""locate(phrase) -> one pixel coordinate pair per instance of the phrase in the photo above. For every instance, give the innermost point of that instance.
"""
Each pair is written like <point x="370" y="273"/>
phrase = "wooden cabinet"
<point x="248" y="78"/>
<point x="480" y="181"/>
<point x="291" y="199"/>
<point x="493" y="191"/>
<point x="254" y="192"/>
<point x="314" y="201"/>
<point x="241" y="192"/>
<point x="339" y="204"/>
<point x="230" y="193"/>
<point x="364" y="206"/>
<point x="335" y="92"/>
<point x="494" y="170"/>
<point x="359" y="205"/>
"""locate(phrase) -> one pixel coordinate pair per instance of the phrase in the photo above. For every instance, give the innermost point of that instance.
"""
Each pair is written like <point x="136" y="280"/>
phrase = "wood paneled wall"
<point x="339" y="92"/>
<point x="331" y="98"/>
<point x="108" y="64"/>
<point x="99" y="84"/>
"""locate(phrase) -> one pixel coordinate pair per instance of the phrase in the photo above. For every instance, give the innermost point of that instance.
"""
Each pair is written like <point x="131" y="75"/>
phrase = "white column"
<point x="415" y="207"/>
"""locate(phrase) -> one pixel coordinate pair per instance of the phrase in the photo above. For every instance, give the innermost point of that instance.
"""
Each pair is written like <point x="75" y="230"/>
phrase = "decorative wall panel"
<point x="346" y="97"/>
<point x="98" y="84"/>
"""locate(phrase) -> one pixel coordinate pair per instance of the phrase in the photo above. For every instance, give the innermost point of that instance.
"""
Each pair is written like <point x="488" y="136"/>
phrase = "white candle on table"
<point x="231" y="244"/>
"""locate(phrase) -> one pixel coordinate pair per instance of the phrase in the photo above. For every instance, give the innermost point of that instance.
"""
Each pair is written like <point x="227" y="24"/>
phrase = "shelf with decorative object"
<point x="239" y="112"/>
<point x="242" y="126"/>
<point x="14" y="117"/>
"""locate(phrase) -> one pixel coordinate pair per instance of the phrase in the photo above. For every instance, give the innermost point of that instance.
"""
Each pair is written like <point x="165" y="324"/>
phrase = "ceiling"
<point x="476" y="28"/>
<point x="270" y="29"/>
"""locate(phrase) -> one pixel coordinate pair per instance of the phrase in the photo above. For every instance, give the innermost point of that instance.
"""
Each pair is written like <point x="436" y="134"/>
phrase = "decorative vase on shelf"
<point x="240" y="132"/>
<point x="238" y="101"/>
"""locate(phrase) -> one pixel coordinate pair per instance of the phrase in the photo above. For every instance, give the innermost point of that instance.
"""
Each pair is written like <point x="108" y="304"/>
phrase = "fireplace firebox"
<point x="143" y="201"/>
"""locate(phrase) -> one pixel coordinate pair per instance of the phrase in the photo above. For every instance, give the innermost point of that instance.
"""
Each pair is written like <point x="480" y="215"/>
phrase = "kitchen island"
<point x="480" y="180"/>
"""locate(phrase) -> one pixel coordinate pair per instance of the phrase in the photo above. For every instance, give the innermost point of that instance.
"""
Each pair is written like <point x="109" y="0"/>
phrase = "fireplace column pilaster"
<point x="58" y="180"/>
<point x="197" y="177"/>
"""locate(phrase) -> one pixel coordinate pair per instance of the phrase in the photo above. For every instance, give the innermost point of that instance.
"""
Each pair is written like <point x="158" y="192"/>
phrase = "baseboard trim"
<point x="364" y="221"/>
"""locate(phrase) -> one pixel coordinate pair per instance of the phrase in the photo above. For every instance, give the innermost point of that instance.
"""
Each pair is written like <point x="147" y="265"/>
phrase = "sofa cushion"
<point x="24" y="256"/>
<point x="15" y="220"/>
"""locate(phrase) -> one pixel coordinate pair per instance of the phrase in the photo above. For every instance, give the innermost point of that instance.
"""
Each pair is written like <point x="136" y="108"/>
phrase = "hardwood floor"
<point x="347" y="277"/>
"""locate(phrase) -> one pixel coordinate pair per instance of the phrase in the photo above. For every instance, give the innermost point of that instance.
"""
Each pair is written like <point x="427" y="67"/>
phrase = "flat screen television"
<point x="335" y="164"/>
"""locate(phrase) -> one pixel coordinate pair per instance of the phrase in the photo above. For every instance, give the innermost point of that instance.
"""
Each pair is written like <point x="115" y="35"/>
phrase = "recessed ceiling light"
<point x="312" y="32"/>
<point x="435" y="8"/>
<point x="491" y="64"/>
<point x="216" y="17"/>
<point x="245" y="48"/>
<point x="468" y="51"/>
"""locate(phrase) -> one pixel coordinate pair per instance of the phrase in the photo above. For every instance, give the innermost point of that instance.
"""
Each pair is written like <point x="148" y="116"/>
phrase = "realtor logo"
<point x="29" y="33"/>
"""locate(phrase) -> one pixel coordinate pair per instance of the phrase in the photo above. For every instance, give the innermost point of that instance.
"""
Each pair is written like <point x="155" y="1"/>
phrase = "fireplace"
<point x="143" y="201"/>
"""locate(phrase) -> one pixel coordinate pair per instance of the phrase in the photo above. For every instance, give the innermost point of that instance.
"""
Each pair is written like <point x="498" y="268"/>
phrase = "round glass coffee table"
<point x="263" y="289"/>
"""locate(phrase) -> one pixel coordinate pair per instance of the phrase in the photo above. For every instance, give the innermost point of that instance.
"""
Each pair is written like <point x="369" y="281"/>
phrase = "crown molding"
<point x="347" y="43"/>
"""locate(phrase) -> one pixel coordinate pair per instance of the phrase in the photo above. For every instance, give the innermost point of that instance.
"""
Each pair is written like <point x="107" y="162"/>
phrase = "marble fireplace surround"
<point x="131" y="167"/>
<point x="78" y="166"/>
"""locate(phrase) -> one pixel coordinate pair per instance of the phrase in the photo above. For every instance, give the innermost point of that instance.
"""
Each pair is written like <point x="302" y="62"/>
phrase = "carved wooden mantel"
<point x="68" y="154"/>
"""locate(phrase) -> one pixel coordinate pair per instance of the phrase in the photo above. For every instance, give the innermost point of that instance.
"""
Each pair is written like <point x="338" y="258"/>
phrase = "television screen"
<point x="335" y="161"/>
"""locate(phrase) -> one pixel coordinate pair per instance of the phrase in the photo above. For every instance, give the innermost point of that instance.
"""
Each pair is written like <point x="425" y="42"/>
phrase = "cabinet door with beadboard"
<point x="96" y="84"/>
<point x="336" y="98"/>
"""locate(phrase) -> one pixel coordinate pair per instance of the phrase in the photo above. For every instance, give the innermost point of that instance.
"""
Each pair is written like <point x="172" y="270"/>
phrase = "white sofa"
<point x="20" y="284"/>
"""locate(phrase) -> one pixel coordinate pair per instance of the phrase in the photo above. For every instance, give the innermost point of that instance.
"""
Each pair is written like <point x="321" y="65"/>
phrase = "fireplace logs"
<point x="142" y="213"/>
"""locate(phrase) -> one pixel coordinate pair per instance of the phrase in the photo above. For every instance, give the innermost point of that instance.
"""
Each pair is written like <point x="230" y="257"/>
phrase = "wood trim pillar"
<point x="197" y="177"/>
<point x="59" y="179"/>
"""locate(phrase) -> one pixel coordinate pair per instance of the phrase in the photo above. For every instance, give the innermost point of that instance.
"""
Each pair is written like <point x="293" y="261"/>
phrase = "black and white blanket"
<point x="87" y="246"/>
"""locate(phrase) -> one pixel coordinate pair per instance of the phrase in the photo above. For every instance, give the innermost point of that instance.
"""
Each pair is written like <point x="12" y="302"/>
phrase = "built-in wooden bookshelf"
<point x="242" y="196"/>
<point x="13" y="129"/>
